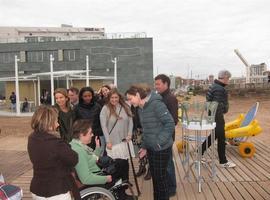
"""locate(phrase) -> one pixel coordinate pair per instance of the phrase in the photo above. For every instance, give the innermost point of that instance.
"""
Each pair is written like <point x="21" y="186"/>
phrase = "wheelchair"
<point x="97" y="192"/>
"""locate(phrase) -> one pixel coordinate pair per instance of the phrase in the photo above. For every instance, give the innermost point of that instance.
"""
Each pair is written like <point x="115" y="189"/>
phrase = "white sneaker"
<point x="228" y="164"/>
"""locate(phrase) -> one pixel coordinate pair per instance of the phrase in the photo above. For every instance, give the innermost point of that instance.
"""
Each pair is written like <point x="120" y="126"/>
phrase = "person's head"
<point x="115" y="98"/>
<point x="82" y="131"/>
<point x="73" y="94"/>
<point x="86" y="95"/>
<point x="105" y="89"/>
<point x="61" y="97"/>
<point x="45" y="119"/>
<point x="224" y="76"/>
<point x="162" y="83"/>
<point x="137" y="93"/>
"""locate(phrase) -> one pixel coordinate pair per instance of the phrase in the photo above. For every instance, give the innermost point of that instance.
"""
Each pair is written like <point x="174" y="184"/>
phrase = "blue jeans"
<point x="102" y="144"/>
<point x="171" y="175"/>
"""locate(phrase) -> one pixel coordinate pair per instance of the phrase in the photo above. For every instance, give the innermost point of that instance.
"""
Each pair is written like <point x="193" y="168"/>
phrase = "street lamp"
<point x="115" y="71"/>
<point x="87" y="71"/>
<point x="51" y="75"/>
<point x="18" y="111"/>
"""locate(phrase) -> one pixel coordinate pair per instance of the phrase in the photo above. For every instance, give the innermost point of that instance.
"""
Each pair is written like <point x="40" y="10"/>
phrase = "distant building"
<point x="256" y="73"/>
<point x="69" y="47"/>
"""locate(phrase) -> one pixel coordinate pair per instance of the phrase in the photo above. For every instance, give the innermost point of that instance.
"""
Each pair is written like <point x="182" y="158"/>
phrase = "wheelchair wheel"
<point x="96" y="193"/>
<point x="246" y="149"/>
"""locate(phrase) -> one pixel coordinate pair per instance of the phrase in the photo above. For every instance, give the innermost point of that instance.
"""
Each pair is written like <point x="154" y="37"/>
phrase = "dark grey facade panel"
<point x="135" y="58"/>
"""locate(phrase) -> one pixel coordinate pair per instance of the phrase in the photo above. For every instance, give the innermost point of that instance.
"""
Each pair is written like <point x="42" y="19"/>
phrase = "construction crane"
<point x="245" y="63"/>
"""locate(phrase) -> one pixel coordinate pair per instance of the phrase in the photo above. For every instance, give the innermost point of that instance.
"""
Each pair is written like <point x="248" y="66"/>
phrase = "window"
<point x="31" y="39"/>
<point x="34" y="56"/>
<point x="47" y="39"/>
<point x="8" y="57"/>
<point x="71" y="54"/>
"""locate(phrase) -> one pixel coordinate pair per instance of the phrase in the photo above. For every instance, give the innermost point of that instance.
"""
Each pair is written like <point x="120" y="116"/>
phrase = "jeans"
<point x="102" y="144"/>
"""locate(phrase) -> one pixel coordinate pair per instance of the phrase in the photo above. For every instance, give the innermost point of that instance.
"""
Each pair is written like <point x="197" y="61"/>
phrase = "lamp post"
<point x="87" y="71"/>
<point x="115" y="71"/>
<point x="51" y="75"/>
<point x="18" y="111"/>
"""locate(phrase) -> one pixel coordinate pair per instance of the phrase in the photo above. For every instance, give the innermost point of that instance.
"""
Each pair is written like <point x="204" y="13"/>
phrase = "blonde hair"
<point x="122" y="102"/>
<point x="44" y="119"/>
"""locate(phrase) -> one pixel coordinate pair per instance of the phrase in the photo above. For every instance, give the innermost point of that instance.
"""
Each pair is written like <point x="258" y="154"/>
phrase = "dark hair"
<point x="142" y="89"/>
<point x="86" y="89"/>
<point x="74" y="90"/>
<point x="164" y="79"/>
<point x="81" y="126"/>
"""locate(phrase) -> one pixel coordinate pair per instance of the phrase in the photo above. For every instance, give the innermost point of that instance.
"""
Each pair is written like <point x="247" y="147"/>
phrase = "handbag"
<point x="137" y="137"/>
<point x="107" y="165"/>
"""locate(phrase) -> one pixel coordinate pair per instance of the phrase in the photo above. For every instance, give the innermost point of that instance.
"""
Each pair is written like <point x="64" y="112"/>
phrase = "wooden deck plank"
<point x="265" y="185"/>
<point x="244" y="193"/>
<point x="215" y="190"/>
<point x="260" y="190"/>
<point x="224" y="191"/>
<point x="252" y="191"/>
<point x="234" y="192"/>
<point x="252" y="167"/>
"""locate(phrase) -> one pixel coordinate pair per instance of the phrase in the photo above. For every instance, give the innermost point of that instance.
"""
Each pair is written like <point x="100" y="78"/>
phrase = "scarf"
<point x="88" y="149"/>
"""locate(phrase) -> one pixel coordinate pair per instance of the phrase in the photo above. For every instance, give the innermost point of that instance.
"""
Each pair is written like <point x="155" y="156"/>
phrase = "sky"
<point x="191" y="38"/>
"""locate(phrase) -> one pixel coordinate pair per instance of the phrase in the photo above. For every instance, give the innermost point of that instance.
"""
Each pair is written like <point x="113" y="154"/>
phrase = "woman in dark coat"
<point x="66" y="115"/>
<point x="51" y="157"/>
<point x="89" y="109"/>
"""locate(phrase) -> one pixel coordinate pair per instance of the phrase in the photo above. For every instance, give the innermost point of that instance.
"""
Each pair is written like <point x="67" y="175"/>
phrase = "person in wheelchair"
<point x="87" y="169"/>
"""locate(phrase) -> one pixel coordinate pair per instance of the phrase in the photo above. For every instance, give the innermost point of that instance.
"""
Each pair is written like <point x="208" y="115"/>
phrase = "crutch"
<point x="133" y="170"/>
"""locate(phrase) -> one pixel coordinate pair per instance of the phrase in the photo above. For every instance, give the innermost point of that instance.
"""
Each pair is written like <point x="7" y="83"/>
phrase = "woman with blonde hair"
<point x="66" y="116"/>
<point x="116" y="119"/>
<point x="52" y="158"/>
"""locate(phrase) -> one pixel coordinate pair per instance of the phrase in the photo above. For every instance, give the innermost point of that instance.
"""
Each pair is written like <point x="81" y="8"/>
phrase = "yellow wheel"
<point x="246" y="149"/>
<point x="181" y="145"/>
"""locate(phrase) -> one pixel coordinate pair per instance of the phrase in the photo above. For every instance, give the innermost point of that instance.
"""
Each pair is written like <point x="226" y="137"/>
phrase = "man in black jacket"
<point x="217" y="92"/>
<point x="162" y="85"/>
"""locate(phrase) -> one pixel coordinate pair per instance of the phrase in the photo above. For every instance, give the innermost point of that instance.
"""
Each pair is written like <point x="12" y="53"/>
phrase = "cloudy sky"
<point x="190" y="36"/>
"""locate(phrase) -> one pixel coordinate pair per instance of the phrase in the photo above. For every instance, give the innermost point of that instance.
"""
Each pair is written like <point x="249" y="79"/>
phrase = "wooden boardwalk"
<point x="249" y="180"/>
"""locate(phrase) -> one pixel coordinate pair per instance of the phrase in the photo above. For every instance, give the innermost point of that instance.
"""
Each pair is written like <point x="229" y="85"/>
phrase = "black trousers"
<point x="220" y="136"/>
<point x="158" y="163"/>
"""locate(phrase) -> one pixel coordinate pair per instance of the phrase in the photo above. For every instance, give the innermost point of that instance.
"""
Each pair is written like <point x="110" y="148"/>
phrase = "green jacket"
<point x="87" y="168"/>
<point x="157" y="123"/>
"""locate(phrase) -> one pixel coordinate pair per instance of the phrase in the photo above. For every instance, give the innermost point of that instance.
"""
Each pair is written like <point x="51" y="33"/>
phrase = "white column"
<point x="38" y="90"/>
<point x="51" y="74"/>
<point x="35" y="92"/>
<point x="87" y="70"/>
<point x="115" y="71"/>
<point x="67" y="82"/>
<point x="17" y="92"/>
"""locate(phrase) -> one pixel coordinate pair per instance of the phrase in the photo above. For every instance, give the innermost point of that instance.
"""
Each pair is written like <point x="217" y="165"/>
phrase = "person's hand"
<point x="128" y="138"/>
<point x="142" y="153"/>
<point x="97" y="141"/>
<point x="109" y="145"/>
<point x="109" y="179"/>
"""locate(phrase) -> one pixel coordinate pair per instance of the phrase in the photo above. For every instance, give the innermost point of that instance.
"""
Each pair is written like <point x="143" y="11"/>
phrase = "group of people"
<point x="89" y="125"/>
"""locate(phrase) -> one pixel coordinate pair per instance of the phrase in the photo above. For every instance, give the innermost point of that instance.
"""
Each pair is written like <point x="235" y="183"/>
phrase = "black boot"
<point x="142" y="168"/>
<point x="148" y="175"/>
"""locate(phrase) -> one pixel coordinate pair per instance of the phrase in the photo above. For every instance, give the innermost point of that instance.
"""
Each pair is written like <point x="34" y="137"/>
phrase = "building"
<point x="69" y="46"/>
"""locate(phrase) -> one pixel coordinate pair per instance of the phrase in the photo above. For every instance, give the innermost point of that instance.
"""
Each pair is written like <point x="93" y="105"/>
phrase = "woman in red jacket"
<point x="52" y="158"/>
